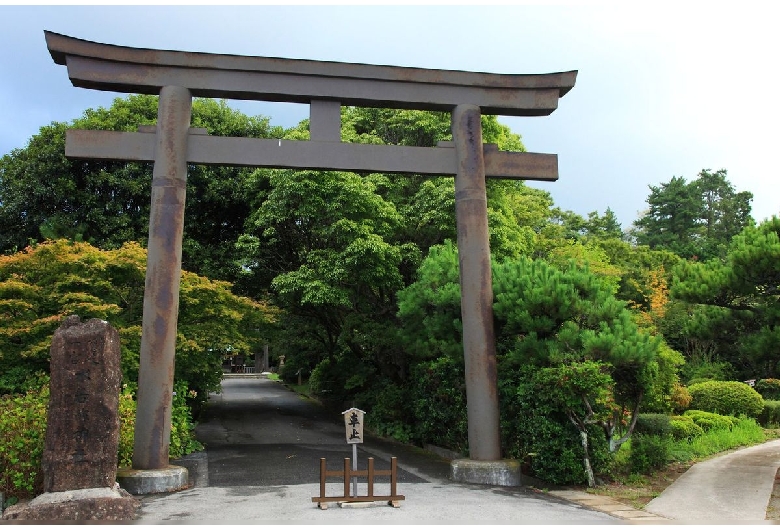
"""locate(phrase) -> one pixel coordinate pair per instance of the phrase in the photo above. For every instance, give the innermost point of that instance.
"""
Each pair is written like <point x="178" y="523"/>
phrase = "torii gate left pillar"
<point x="178" y="76"/>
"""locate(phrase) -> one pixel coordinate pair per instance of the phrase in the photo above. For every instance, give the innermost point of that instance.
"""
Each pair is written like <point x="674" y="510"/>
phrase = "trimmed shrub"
<point x="655" y="424"/>
<point x="768" y="388"/>
<point x="711" y="420"/>
<point x="726" y="397"/>
<point x="770" y="416"/>
<point x="684" y="428"/>
<point x="648" y="453"/>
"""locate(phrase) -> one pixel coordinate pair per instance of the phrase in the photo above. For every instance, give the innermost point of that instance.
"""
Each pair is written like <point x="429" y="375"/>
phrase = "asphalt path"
<point x="262" y="460"/>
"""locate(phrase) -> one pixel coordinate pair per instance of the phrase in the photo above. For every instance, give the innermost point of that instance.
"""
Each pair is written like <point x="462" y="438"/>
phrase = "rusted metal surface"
<point x="62" y="46"/>
<point x="476" y="286"/>
<point x="133" y="70"/>
<point x="323" y="155"/>
<point x="163" y="273"/>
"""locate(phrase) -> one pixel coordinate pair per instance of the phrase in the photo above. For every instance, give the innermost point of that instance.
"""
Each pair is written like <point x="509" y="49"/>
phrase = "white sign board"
<point x="353" y="421"/>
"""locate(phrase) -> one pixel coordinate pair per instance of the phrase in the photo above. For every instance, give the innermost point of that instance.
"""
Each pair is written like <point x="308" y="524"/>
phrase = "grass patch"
<point x="745" y="433"/>
<point x="637" y="490"/>
<point x="272" y="376"/>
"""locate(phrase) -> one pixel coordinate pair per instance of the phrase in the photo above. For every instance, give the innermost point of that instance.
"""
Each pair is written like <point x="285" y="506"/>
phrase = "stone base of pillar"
<point x="143" y="481"/>
<point x="90" y="504"/>
<point x="490" y="472"/>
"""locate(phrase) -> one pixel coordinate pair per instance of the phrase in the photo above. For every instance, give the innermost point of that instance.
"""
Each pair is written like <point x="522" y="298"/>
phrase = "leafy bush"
<point x="655" y="424"/>
<point x="535" y="431"/>
<point x="768" y="388"/>
<point x="680" y="399"/>
<point x="127" y="408"/>
<point x="726" y="397"/>
<point x="22" y="435"/>
<point x="770" y="416"/>
<point x="183" y="440"/>
<point x="389" y="409"/>
<point x="438" y="396"/>
<point x="684" y="428"/>
<point x="648" y="452"/>
<point x="711" y="420"/>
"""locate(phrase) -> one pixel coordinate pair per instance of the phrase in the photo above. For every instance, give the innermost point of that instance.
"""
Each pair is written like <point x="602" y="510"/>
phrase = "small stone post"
<point x="82" y="430"/>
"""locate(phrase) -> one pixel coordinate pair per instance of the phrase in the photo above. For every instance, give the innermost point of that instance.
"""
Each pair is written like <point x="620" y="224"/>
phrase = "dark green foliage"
<point x="655" y="424"/>
<point x="649" y="452"/>
<point x="684" y="428"/>
<point x="768" y="388"/>
<point x="770" y="416"/>
<point x="537" y="431"/>
<point x="44" y="195"/>
<point x="726" y="397"/>
<point x="734" y="310"/>
<point x="388" y="410"/>
<point x="438" y="398"/>
<point x="695" y="220"/>
<point x="710" y="420"/>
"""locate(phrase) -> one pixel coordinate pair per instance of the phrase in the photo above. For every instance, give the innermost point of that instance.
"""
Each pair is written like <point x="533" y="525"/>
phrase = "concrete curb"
<point x="607" y="505"/>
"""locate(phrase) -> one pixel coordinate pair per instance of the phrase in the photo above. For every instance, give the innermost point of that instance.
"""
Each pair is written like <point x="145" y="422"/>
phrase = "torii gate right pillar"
<point x="476" y="290"/>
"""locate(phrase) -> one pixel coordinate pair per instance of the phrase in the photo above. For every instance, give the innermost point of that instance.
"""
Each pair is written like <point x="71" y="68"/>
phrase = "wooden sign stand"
<point x="393" y="499"/>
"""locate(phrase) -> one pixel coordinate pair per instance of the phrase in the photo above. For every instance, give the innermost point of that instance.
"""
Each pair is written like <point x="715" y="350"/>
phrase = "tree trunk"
<point x="588" y="469"/>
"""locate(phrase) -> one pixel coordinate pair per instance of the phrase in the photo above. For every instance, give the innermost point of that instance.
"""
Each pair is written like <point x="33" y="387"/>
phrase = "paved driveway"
<point x="263" y="446"/>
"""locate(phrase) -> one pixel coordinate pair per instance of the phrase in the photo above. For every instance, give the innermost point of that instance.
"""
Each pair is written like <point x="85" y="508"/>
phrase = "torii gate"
<point x="178" y="76"/>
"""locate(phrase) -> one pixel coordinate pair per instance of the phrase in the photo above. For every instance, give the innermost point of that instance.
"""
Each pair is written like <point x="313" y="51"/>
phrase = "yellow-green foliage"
<point x="770" y="416"/>
<point x="22" y="434"/>
<point x="42" y="285"/>
<point x="126" y="427"/>
<point x="683" y="428"/>
<point x="710" y="420"/>
<point x="726" y="397"/>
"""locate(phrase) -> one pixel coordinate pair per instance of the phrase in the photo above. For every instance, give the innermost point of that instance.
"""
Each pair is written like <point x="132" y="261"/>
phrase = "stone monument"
<point x="82" y="430"/>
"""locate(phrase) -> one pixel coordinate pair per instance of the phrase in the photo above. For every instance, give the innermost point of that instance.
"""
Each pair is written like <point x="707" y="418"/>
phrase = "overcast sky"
<point x="663" y="90"/>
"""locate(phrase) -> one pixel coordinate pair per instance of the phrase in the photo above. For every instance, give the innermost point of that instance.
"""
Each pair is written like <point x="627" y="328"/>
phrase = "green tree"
<point x="694" y="219"/>
<point x="42" y="285"/>
<point x="44" y="195"/>
<point x="333" y="248"/>
<point x="733" y="304"/>
<point x="559" y="321"/>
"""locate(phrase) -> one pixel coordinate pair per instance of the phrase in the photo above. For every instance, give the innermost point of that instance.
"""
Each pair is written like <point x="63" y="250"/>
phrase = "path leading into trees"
<point x="261" y="464"/>
<point x="263" y="445"/>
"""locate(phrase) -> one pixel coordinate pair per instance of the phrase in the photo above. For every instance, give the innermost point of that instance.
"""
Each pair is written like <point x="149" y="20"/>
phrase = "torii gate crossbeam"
<point x="178" y="76"/>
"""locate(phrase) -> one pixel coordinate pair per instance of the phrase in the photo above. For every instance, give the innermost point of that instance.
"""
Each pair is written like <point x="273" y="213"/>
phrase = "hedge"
<point x="710" y="420"/>
<point x="684" y="428"/>
<point x="770" y="416"/>
<point x="731" y="398"/>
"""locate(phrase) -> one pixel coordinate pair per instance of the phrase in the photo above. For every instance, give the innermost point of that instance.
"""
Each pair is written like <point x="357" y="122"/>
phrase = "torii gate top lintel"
<point x="146" y="71"/>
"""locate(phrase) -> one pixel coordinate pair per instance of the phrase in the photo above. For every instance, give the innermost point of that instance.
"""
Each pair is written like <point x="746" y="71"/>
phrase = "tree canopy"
<point x="43" y="284"/>
<point x="694" y="219"/>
